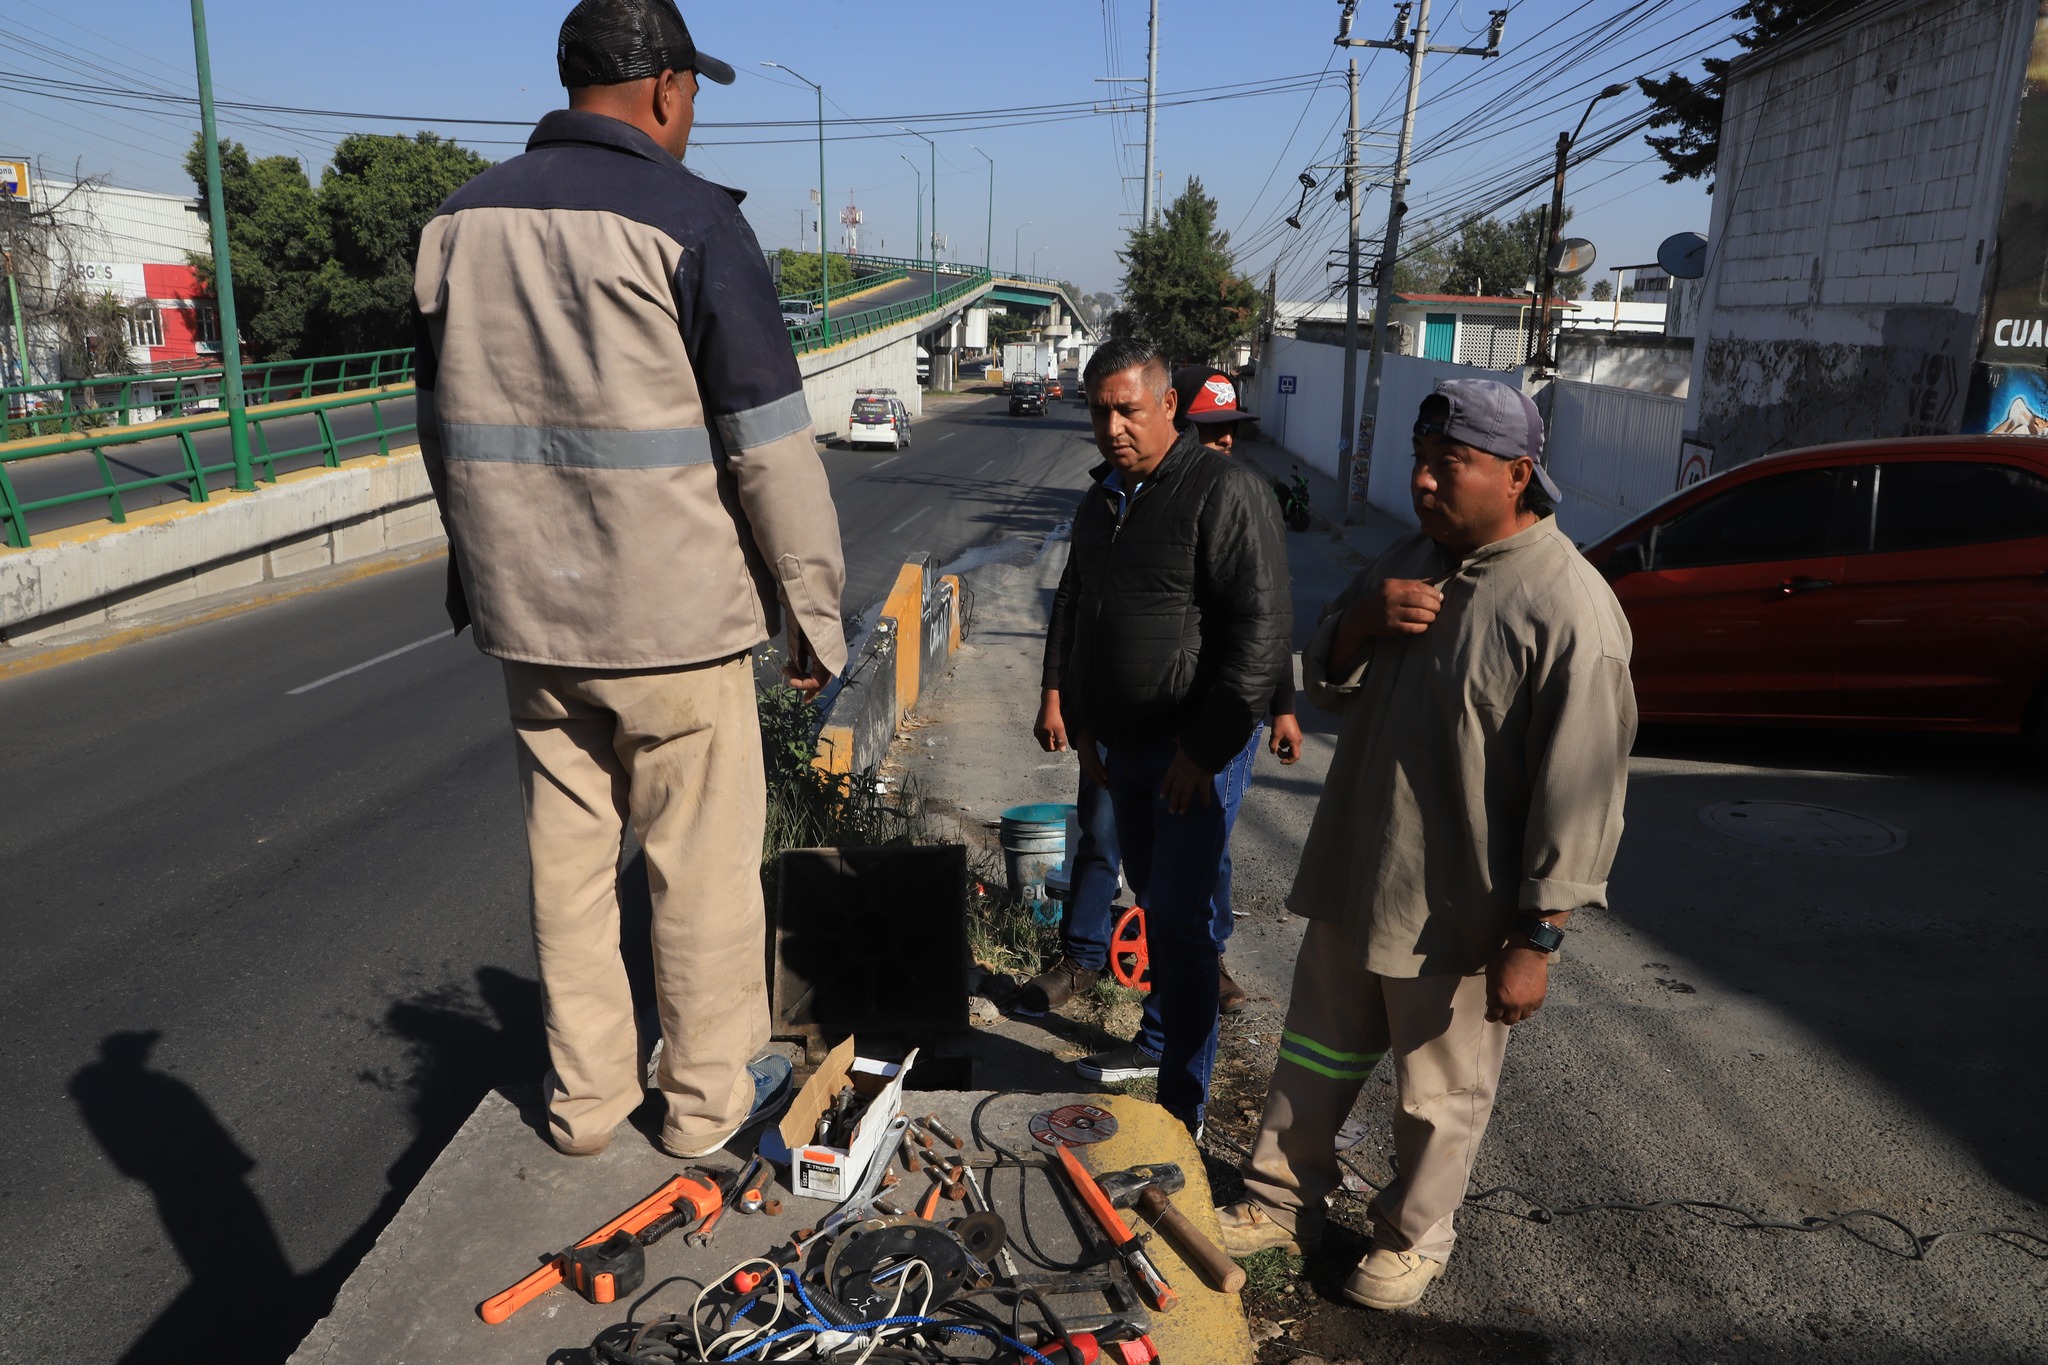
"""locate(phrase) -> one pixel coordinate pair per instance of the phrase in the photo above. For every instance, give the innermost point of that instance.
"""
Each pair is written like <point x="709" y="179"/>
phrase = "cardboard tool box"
<point x="820" y="1171"/>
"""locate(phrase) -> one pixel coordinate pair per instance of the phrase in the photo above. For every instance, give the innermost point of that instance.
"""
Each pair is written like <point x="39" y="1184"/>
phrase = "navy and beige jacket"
<point x="612" y="415"/>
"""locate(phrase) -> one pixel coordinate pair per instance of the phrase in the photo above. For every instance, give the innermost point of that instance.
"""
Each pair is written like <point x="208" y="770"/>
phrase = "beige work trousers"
<point x="1447" y="1061"/>
<point x="677" y="753"/>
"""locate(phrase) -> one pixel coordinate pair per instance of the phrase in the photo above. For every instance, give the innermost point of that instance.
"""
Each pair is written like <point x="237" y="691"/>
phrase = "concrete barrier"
<point x="922" y="623"/>
<point x="186" y="552"/>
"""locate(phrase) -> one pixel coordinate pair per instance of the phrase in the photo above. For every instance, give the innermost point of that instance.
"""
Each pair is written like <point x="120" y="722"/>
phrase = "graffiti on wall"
<point x="2009" y="382"/>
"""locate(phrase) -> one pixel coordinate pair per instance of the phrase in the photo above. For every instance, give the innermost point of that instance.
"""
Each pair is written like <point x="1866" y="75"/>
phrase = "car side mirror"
<point x="1626" y="559"/>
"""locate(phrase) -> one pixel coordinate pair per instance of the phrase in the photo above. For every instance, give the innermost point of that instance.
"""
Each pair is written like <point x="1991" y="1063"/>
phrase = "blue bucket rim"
<point x="1027" y="815"/>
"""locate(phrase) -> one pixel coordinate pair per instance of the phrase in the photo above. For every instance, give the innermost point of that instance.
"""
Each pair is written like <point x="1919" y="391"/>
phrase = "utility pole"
<point x="1348" y="423"/>
<point x="223" y="269"/>
<point x="1357" y="450"/>
<point x="1556" y="233"/>
<point x="1151" y="107"/>
<point x="20" y="336"/>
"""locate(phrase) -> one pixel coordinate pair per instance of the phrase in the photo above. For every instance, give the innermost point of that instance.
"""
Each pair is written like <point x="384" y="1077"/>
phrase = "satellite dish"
<point x="1572" y="256"/>
<point x="1683" y="255"/>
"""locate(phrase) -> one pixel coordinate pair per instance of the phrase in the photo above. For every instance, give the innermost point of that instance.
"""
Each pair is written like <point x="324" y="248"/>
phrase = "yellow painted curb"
<point x="55" y="655"/>
<point x="906" y="608"/>
<point x="1207" y="1326"/>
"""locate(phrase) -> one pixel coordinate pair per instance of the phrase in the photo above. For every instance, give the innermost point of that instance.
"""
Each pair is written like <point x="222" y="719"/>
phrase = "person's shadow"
<point x="156" y="1129"/>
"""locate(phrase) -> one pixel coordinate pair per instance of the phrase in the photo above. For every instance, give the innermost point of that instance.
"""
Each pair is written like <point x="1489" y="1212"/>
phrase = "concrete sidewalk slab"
<point x="500" y="1196"/>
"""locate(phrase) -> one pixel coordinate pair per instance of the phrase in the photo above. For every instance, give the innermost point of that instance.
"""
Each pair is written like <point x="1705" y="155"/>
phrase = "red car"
<point x="1897" y="584"/>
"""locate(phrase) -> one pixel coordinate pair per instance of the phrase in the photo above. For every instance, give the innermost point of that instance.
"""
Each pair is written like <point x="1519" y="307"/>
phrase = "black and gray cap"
<point x="605" y="42"/>
<point x="1496" y="418"/>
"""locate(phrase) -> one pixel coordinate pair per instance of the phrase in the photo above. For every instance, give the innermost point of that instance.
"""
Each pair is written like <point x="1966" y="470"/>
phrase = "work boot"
<point x="1125" y="1062"/>
<point x="1248" y="1230"/>
<point x="1391" y="1279"/>
<point x="1230" y="997"/>
<point x="1047" y="991"/>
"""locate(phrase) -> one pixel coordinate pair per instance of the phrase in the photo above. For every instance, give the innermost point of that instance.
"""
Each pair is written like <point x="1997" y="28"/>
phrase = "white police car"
<point x="878" y="418"/>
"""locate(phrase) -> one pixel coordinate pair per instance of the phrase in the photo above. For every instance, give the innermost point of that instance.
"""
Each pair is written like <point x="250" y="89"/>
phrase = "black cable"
<point x="1026" y="1244"/>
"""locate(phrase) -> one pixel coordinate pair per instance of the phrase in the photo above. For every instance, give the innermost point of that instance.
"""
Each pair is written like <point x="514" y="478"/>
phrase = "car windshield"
<point x="871" y="410"/>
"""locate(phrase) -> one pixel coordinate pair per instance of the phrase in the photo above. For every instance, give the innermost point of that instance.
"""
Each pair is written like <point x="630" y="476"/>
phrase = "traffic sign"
<point x="1287" y="383"/>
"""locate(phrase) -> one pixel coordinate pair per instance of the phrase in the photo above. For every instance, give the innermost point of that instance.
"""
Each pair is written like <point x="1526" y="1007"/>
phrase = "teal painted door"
<point x="1438" y="332"/>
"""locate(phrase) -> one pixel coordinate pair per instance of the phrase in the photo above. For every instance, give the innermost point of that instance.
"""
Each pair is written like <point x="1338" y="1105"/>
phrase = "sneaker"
<point x="774" y="1084"/>
<point x="1391" y="1279"/>
<point x="1125" y="1062"/>
<point x="1230" y="997"/>
<point x="1248" y="1230"/>
<point x="1049" y="990"/>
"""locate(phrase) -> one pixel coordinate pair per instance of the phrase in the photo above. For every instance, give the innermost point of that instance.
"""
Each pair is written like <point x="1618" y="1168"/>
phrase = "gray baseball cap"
<point x="1496" y="418"/>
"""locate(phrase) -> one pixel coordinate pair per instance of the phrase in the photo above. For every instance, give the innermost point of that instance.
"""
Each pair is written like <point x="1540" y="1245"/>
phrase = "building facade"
<point x="1876" y="261"/>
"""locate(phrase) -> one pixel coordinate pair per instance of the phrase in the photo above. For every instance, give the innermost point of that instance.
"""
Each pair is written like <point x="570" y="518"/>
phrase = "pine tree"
<point x="1693" y="107"/>
<point x="1179" y="290"/>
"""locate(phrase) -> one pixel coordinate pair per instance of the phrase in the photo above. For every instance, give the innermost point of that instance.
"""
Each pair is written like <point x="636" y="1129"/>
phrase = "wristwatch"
<point x="1542" y="935"/>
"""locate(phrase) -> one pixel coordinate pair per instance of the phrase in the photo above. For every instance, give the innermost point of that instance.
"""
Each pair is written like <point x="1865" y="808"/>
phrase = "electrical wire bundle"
<point x="780" y="1319"/>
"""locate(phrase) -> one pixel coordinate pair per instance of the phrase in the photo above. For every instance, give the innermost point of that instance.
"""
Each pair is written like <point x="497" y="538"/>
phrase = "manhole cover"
<point x="1798" y="828"/>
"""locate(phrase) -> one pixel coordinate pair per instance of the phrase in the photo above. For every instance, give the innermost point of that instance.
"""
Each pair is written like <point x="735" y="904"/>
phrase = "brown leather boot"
<point x="1050" y="989"/>
<point x="1230" y="997"/>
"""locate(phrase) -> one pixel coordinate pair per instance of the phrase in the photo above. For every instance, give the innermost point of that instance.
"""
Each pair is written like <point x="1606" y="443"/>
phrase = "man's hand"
<point x="803" y="671"/>
<point x="1091" y="761"/>
<point x="1517" y="979"/>
<point x="1400" y="606"/>
<point x="1285" y="740"/>
<point x="1050" y="729"/>
<point x="1185" y="785"/>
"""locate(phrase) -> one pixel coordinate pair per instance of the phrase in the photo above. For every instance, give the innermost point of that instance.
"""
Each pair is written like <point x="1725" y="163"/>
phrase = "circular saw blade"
<point x="1072" y="1125"/>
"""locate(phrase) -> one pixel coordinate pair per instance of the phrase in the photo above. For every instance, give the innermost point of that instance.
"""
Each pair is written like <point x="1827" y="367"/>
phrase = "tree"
<point x="92" y="332"/>
<point x="44" y="242"/>
<point x="1488" y="256"/>
<point x="1603" y="291"/>
<point x="1693" y="107"/>
<point x="277" y="238"/>
<point x="1425" y="262"/>
<point x="1003" y="327"/>
<point x="799" y="270"/>
<point x="376" y="199"/>
<point x="1179" y="290"/>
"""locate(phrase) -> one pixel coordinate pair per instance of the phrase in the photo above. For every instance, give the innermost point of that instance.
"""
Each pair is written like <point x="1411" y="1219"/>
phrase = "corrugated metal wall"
<point x="1613" y="451"/>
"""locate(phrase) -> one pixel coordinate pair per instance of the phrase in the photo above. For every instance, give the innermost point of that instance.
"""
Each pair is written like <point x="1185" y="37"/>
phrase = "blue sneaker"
<point x="774" y="1085"/>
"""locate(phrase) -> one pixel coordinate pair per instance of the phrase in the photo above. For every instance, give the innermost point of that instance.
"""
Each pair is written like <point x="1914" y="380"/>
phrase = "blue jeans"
<point x="1089" y="919"/>
<point x="1234" y="779"/>
<point x="1173" y="862"/>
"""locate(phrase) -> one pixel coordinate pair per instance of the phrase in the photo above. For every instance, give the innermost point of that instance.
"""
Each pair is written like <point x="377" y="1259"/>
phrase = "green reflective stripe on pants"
<point x="1303" y="1040"/>
<point x="1354" y="1072"/>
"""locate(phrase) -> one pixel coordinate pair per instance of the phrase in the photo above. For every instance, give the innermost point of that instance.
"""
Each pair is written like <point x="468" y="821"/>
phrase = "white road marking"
<point x="907" y="520"/>
<point x="372" y="663"/>
<point x="948" y="436"/>
<point x="985" y="468"/>
<point x="879" y="463"/>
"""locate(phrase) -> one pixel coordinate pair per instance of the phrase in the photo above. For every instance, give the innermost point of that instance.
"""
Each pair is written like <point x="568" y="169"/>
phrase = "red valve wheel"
<point x="1130" y="961"/>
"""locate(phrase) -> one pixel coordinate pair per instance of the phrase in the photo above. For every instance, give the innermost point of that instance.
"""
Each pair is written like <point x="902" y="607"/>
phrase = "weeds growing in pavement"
<point x="1270" y="1273"/>
<point x="1005" y="937"/>
<point x="809" y="808"/>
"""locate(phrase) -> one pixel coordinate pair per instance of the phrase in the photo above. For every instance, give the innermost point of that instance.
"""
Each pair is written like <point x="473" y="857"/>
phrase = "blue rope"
<point x="909" y="1320"/>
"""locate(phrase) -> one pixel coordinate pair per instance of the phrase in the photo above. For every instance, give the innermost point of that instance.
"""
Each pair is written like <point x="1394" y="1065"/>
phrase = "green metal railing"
<point x="817" y="336"/>
<point x="195" y="470"/>
<point x="79" y="405"/>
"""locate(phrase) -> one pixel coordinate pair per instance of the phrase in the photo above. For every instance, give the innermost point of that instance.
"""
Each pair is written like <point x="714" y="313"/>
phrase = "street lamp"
<point x="824" y="261"/>
<point x="920" y="205"/>
<point x="1017" y="248"/>
<point x="1034" y="259"/>
<point x="1564" y="147"/>
<point x="935" y="208"/>
<point x="988" y="252"/>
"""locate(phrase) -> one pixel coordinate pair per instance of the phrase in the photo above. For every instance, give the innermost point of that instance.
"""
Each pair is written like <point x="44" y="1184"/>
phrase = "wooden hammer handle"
<point x="1217" y="1270"/>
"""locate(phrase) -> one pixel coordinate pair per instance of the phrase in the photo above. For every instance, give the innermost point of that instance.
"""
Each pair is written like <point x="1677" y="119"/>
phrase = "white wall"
<point x="1306" y="423"/>
<point x="1860" y="178"/>
<point x="1614" y="453"/>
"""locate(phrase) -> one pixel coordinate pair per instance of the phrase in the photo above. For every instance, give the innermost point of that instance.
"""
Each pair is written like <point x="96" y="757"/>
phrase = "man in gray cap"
<point x="619" y="441"/>
<point x="1473" y="804"/>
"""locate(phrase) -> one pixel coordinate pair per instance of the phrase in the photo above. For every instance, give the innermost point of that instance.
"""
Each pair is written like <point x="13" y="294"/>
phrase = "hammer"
<point x="1145" y="1188"/>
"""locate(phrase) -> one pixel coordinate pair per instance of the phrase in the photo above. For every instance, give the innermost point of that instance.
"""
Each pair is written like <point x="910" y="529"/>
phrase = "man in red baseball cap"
<point x="1208" y="400"/>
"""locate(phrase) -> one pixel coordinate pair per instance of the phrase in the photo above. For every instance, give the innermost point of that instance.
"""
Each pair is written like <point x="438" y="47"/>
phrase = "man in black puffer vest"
<point x="1179" y="632"/>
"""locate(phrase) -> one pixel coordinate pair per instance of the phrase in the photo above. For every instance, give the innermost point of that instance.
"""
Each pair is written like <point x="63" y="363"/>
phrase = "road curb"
<point x="923" y="621"/>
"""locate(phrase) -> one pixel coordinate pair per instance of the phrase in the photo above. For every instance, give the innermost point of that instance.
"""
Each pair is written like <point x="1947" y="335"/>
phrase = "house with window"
<point x="1492" y="332"/>
<point x="138" y="246"/>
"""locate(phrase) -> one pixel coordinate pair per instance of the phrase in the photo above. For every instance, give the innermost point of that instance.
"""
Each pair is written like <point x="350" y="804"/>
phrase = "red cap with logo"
<point x="1207" y="396"/>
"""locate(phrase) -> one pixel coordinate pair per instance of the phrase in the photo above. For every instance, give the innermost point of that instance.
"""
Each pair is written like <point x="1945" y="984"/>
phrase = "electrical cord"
<point x="1025" y="1243"/>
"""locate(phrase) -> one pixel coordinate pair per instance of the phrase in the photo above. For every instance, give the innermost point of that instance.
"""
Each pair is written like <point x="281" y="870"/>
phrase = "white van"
<point x="878" y="418"/>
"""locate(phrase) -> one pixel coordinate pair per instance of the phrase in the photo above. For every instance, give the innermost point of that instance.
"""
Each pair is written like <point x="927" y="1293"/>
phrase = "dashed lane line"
<point x="372" y="663"/>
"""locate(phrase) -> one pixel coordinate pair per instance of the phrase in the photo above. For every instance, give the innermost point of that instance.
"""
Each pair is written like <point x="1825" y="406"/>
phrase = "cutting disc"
<point x="1072" y="1125"/>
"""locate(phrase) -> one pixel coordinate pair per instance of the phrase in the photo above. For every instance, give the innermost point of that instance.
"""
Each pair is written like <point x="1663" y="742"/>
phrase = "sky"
<point x="1252" y="95"/>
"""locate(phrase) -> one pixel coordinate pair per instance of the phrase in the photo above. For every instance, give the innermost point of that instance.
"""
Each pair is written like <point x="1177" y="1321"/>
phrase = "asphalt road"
<point x="58" y="476"/>
<point x="265" y="951"/>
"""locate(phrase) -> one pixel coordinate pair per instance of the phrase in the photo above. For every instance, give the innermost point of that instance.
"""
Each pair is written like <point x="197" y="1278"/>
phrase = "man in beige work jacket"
<point x="1473" y="804"/>
<point x="620" y="445"/>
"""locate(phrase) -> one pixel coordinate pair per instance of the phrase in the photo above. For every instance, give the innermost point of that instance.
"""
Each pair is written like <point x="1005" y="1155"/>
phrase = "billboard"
<point x="13" y="181"/>
<point x="2009" y="383"/>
